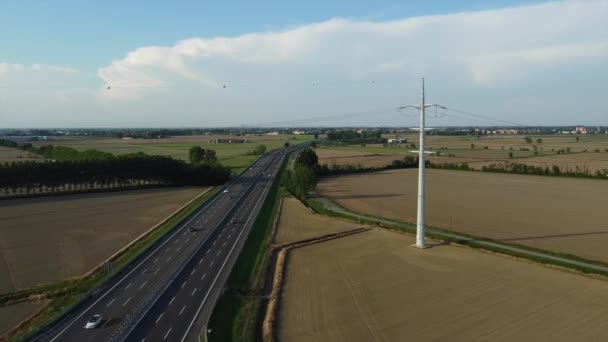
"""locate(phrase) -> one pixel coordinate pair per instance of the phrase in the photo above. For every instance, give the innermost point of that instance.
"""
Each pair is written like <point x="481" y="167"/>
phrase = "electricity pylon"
<point x="420" y="229"/>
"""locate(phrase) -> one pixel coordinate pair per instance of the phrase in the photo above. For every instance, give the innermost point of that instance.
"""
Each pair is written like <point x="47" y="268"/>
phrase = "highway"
<point x="169" y="292"/>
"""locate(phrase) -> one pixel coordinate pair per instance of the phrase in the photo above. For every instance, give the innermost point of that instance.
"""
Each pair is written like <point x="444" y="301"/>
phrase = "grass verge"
<point x="67" y="294"/>
<point x="236" y="315"/>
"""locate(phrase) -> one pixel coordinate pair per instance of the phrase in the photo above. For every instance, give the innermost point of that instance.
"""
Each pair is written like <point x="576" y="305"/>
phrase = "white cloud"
<point x="501" y="53"/>
<point x="494" y="46"/>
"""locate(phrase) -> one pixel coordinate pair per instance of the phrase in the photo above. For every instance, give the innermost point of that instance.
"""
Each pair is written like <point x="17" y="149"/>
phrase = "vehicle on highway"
<point x="226" y="191"/>
<point x="93" y="322"/>
<point x="233" y="221"/>
<point x="191" y="229"/>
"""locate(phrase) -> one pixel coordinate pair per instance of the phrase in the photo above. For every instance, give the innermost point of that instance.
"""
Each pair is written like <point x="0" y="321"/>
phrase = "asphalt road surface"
<point x="168" y="293"/>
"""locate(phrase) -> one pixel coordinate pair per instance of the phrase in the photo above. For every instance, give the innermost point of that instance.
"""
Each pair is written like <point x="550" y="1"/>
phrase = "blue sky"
<point x="166" y="62"/>
<point x="86" y="34"/>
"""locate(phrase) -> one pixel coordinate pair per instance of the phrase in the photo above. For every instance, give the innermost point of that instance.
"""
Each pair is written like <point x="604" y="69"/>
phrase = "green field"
<point x="234" y="156"/>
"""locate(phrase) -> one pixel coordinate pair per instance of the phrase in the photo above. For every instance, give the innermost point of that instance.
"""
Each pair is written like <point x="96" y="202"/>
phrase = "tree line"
<point x="119" y="172"/>
<point x="69" y="170"/>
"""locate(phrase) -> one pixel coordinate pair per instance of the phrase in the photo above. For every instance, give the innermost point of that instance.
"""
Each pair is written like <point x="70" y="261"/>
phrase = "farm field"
<point x="458" y="149"/>
<point x="591" y="162"/>
<point x="231" y="155"/>
<point x="44" y="240"/>
<point x="554" y="213"/>
<point x="372" y="286"/>
<point x="297" y="222"/>
<point x="12" y="154"/>
<point x="11" y="315"/>
<point x="345" y="157"/>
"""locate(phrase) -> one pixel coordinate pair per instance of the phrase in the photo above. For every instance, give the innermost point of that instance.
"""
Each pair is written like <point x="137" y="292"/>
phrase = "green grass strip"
<point x="237" y="311"/>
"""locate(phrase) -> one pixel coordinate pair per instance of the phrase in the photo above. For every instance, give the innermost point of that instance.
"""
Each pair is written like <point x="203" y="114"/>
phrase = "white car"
<point x="93" y="322"/>
<point x="226" y="191"/>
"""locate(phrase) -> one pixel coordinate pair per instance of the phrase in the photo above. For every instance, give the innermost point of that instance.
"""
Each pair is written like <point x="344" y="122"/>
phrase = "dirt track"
<point x="373" y="287"/>
<point x="554" y="213"/>
<point x="49" y="239"/>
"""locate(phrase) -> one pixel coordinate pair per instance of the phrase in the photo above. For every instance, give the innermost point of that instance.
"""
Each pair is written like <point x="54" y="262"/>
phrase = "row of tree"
<point x="354" y="137"/>
<point x="303" y="178"/>
<point x="132" y="170"/>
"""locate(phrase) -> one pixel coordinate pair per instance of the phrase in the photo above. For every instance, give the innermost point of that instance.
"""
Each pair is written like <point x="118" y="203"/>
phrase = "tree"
<point x="259" y="150"/>
<point x="528" y="140"/>
<point x="539" y="141"/>
<point x="472" y="146"/>
<point x="210" y="156"/>
<point x="286" y="144"/>
<point x="196" y="154"/>
<point x="510" y="155"/>
<point x="316" y="135"/>
<point x="578" y="138"/>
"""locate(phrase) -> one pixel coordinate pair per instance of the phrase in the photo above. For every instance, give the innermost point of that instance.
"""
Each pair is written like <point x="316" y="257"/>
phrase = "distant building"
<point x="272" y="133"/>
<point x="396" y="141"/>
<point x="228" y="141"/>
<point x="581" y="130"/>
<point x="298" y="132"/>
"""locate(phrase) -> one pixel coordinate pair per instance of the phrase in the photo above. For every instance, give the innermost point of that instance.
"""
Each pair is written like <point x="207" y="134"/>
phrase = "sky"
<point x="305" y="63"/>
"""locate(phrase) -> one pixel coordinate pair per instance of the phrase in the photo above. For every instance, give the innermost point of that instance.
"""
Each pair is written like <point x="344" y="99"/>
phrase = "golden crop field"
<point x="480" y="152"/>
<point x="297" y="223"/>
<point x="12" y="154"/>
<point x="372" y="286"/>
<point x="555" y="213"/>
<point x="48" y="239"/>
<point x="365" y="159"/>
<point x="13" y="314"/>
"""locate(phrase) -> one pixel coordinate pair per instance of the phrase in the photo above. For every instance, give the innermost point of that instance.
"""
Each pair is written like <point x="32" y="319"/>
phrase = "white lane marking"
<point x="157" y="270"/>
<point x="144" y="271"/>
<point x="214" y="242"/>
<point x="208" y="251"/>
<point x="155" y="260"/>
<point x="184" y="284"/>
<point x="144" y="284"/>
<point x="182" y="310"/>
<point x="199" y="262"/>
<point x="224" y="244"/>
<point x="188" y="239"/>
<point x="125" y="303"/>
<point x="178" y="248"/>
<point x="166" y="241"/>
<point x="218" y="274"/>
<point x="218" y="253"/>
<point x="143" y="339"/>
<point x="167" y="334"/>
<point x="193" y="270"/>
<point x="203" y="277"/>
<point x="129" y="285"/>
<point x="159" y="317"/>
<point x="169" y="258"/>
<point x="172" y="299"/>
<point x="212" y="263"/>
<point x="193" y="292"/>
<point x="110" y="303"/>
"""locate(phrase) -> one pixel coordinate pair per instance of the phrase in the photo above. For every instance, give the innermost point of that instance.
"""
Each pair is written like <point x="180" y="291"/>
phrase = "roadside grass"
<point x="444" y="235"/>
<point x="67" y="294"/>
<point x="237" y="312"/>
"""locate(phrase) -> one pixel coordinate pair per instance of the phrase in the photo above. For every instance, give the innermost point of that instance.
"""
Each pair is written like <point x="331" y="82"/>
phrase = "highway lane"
<point x="185" y="307"/>
<point x="121" y="296"/>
